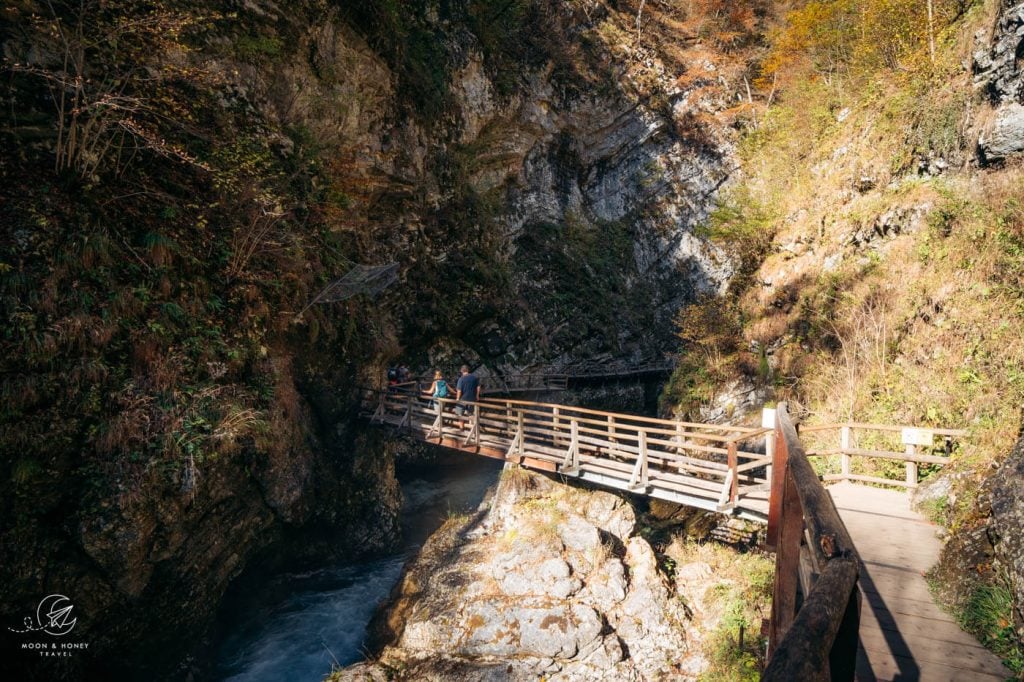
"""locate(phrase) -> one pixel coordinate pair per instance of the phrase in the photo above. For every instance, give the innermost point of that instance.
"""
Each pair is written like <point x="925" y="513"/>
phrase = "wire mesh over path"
<point x="361" y="279"/>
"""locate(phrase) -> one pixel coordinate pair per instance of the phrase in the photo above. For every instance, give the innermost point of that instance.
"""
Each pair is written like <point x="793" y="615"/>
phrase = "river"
<point x="298" y="625"/>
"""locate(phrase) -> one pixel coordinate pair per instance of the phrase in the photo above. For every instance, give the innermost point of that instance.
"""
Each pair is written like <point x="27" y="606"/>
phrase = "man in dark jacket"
<point x="467" y="391"/>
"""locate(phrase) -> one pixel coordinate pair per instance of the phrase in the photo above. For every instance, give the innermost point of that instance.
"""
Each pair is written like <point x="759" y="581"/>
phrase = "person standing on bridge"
<point x="467" y="391"/>
<point x="438" y="389"/>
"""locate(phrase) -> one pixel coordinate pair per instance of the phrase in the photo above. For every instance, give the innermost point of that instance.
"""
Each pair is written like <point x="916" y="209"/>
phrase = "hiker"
<point x="467" y="390"/>
<point x="404" y="375"/>
<point x="392" y="380"/>
<point x="438" y="389"/>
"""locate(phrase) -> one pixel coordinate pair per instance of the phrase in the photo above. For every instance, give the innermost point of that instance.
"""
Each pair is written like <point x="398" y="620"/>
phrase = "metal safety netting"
<point x="361" y="279"/>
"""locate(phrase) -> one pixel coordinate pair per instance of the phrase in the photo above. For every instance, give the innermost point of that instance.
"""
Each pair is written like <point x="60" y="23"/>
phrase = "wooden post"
<point x="571" y="463"/>
<point x="780" y="456"/>
<point x="521" y="435"/>
<point x="407" y="417"/>
<point x="733" y="462"/>
<point x="474" y="427"/>
<point x="768" y="422"/>
<point x="558" y="440"/>
<point x="911" y="466"/>
<point x="611" y="434"/>
<point x="787" y="563"/>
<point x="643" y="457"/>
<point x="639" y="477"/>
<point x="844" y="444"/>
<point x="438" y="422"/>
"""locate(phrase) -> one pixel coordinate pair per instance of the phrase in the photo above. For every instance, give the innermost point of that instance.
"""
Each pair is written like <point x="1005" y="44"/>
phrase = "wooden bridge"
<point x="709" y="466"/>
<point x="837" y="548"/>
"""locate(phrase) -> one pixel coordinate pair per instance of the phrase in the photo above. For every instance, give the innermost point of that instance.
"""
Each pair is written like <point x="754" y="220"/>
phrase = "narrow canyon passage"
<point x="298" y="625"/>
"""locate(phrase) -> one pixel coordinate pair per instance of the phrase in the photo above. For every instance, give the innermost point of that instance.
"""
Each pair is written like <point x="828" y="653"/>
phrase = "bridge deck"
<point x="903" y="634"/>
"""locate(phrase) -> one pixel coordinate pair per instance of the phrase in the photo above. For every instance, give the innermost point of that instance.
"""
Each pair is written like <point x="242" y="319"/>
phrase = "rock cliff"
<point x="178" y="412"/>
<point x="548" y="581"/>
<point x="997" y="73"/>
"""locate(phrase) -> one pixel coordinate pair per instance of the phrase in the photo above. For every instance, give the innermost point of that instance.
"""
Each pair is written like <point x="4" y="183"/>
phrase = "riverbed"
<point x="298" y="626"/>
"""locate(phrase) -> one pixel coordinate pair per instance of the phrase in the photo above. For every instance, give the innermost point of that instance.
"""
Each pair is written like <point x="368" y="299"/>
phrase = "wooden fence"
<point x="918" y="445"/>
<point x="814" y="553"/>
<point x="710" y="466"/>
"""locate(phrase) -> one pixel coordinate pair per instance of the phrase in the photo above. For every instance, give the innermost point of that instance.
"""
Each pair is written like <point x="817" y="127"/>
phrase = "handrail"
<point x="809" y="428"/>
<point x="750" y="431"/>
<point x="912" y="438"/>
<point x="713" y="468"/>
<point x="818" y="642"/>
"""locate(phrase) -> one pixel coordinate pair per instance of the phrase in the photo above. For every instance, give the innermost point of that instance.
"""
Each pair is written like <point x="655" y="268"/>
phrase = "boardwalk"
<point x="709" y="466"/>
<point x="903" y="634"/>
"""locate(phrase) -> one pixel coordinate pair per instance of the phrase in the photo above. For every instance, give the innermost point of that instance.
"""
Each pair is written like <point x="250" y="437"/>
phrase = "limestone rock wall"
<point x="998" y="73"/>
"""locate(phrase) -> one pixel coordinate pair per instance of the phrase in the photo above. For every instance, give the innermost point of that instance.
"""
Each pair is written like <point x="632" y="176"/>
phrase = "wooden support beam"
<point x="438" y="422"/>
<point x="733" y="462"/>
<point x="844" y="444"/>
<point x="638" y="479"/>
<point x="911" y="465"/>
<point x="787" y="562"/>
<point x="723" y="497"/>
<point x="571" y="463"/>
<point x="613" y="442"/>
<point x="556" y="425"/>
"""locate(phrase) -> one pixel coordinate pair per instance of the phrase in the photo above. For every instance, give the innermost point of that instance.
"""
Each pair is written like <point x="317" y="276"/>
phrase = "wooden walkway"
<point x="716" y="467"/>
<point x="903" y="634"/>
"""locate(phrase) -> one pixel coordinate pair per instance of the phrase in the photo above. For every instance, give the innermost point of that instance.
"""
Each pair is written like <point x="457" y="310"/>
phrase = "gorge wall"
<point x="172" y="414"/>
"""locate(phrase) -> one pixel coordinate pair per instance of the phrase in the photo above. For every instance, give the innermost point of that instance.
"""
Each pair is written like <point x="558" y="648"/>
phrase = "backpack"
<point x="442" y="388"/>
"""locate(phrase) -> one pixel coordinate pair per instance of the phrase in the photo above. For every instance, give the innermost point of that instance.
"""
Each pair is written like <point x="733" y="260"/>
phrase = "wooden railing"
<point x="918" y="445"/>
<point x="817" y="639"/>
<point x="512" y="383"/>
<point x="704" y="465"/>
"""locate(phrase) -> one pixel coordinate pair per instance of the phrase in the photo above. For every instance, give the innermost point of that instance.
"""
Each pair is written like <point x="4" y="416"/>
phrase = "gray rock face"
<point x="997" y="66"/>
<point x="1005" y="137"/>
<point x="551" y="161"/>
<point x="1007" y="521"/>
<point x="998" y="71"/>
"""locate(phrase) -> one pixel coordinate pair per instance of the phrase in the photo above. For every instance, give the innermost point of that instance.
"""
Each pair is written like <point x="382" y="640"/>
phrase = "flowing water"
<point x="299" y="625"/>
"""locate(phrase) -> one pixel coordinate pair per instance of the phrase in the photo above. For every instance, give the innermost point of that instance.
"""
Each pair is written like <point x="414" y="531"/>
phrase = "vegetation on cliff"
<point x="182" y="180"/>
<point x="881" y="262"/>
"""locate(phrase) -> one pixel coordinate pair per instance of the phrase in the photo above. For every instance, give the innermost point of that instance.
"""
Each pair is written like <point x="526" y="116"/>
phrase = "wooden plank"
<point x="927" y="650"/>
<point x="913" y="626"/>
<point x="882" y="665"/>
<point x="904" y="635"/>
<point x="733" y="480"/>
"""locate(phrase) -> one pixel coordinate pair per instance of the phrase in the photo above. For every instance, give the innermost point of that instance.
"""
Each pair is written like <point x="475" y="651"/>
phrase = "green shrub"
<point x="988" y="615"/>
